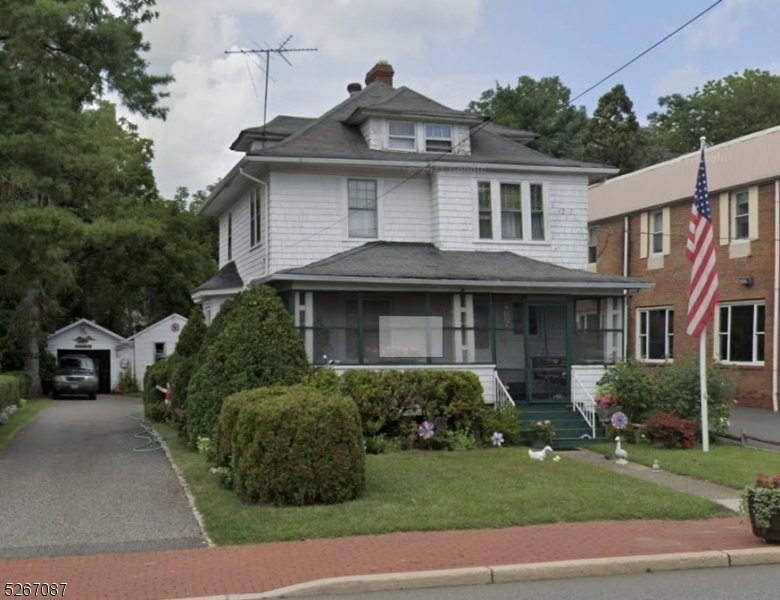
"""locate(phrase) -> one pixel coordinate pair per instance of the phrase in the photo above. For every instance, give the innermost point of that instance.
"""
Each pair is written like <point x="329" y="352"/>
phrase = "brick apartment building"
<point x="638" y="226"/>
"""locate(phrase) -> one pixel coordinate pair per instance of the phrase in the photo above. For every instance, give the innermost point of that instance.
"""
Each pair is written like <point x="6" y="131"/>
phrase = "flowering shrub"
<point x="543" y="430"/>
<point x="607" y="401"/>
<point x="671" y="431"/>
<point x="762" y="501"/>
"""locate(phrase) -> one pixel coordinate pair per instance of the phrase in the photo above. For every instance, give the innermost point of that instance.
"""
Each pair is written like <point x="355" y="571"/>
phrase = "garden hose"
<point x="147" y="434"/>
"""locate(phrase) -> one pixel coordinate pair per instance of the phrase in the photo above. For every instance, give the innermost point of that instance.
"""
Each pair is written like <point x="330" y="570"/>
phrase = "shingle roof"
<point x="416" y="261"/>
<point x="278" y="127"/>
<point x="227" y="278"/>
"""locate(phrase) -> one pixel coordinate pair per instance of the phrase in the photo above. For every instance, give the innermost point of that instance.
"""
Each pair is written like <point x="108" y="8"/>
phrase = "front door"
<point x="547" y="346"/>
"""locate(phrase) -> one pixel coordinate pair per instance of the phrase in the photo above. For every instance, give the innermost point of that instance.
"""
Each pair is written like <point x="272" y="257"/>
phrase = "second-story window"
<point x="401" y="135"/>
<point x="657" y="232"/>
<point x="256" y="216"/>
<point x="741" y="215"/>
<point x="438" y="138"/>
<point x="230" y="236"/>
<point x="485" y="210"/>
<point x="537" y="212"/>
<point x="362" y="208"/>
<point x="592" y="244"/>
<point x="511" y="212"/>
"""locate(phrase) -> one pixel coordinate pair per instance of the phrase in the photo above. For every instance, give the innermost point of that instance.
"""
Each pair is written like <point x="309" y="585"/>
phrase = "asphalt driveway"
<point x="70" y="483"/>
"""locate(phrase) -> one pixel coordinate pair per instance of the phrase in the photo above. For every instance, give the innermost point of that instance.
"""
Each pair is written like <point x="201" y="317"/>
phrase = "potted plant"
<point x="761" y="502"/>
<point x="542" y="433"/>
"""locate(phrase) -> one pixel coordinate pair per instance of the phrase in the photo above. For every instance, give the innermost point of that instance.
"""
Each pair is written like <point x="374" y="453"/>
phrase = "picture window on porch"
<point x="362" y="199"/>
<point x="656" y="334"/>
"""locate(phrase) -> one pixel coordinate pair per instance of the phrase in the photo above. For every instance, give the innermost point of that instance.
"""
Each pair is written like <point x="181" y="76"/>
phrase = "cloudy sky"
<point x="450" y="50"/>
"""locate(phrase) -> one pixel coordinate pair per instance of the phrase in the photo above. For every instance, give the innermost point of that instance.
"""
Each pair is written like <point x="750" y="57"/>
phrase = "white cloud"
<point x="724" y="24"/>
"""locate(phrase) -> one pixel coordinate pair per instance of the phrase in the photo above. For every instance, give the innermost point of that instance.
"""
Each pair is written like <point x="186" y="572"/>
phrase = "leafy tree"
<point x="613" y="136"/>
<point x="542" y="107"/>
<point x="725" y="109"/>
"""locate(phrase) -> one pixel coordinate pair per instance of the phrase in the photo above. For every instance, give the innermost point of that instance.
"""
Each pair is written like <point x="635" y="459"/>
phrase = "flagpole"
<point x="705" y="423"/>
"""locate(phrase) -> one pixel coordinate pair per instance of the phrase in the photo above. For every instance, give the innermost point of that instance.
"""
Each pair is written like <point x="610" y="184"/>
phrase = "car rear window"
<point x="84" y="364"/>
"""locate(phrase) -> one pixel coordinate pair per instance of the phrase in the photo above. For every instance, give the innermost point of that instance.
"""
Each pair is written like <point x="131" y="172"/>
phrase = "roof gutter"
<point x="223" y="183"/>
<point x="451" y="282"/>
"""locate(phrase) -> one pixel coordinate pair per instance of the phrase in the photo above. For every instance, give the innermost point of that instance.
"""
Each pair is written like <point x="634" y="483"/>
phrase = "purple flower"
<point x="426" y="430"/>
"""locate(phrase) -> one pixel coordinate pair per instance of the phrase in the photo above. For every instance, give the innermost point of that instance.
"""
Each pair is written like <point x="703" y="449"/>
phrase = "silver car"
<point x="75" y="375"/>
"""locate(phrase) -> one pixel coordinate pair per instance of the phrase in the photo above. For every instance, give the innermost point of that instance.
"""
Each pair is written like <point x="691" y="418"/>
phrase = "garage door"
<point x="102" y="360"/>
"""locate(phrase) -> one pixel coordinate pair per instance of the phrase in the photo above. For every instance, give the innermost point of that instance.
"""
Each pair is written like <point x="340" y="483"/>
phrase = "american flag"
<point x="700" y="250"/>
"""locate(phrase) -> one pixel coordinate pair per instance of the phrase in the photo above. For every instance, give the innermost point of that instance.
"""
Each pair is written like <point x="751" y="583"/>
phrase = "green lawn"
<point x="422" y="491"/>
<point x="726" y="464"/>
<point x="20" y="418"/>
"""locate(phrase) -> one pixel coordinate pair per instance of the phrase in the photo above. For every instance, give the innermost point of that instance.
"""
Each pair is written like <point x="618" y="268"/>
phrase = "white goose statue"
<point x="539" y="454"/>
<point x="621" y="456"/>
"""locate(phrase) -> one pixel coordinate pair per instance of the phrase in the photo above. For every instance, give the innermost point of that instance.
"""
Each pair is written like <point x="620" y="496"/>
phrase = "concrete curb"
<point x="590" y="567"/>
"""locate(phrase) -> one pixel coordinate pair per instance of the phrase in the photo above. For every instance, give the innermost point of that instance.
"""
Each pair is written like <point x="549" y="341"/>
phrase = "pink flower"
<point x="762" y="481"/>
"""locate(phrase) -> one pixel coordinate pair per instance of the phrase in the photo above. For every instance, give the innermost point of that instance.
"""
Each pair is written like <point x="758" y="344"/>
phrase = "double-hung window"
<point x="438" y="138"/>
<point x="657" y="232"/>
<point x="362" y="199"/>
<point x="741" y="333"/>
<point x="256" y="197"/>
<point x="511" y="211"/>
<point x="401" y="135"/>
<point x="537" y="212"/>
<point x="741" y="215"/>
<point x="592" y="244"/>
<point x="656" y="334"/>
<point x="230" y="236"/>
<point x="485" y="210"/>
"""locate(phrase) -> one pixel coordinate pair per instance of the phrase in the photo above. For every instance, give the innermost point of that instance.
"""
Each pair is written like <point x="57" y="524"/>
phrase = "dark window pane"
<point x="741" y="333"/>
<point x="657" y="334"/>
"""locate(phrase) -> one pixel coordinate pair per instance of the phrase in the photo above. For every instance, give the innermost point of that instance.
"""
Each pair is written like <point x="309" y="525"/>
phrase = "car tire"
<point x="93" y="396"/>
<point x="54" y="395"/>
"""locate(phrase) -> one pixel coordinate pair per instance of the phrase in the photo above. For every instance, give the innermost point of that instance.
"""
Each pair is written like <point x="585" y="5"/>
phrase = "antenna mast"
<point x="280" y="50"/>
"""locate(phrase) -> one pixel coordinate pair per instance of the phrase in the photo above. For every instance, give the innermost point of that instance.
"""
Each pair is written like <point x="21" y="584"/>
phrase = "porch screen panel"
<point x="394" y="327"/>
<point x="598" y="334"/>
<point x="336" y="327"/>
<point x="510" y="334"/>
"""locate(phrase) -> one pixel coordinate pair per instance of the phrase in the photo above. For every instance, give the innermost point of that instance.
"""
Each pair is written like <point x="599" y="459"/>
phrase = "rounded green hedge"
<point x="255" y="344"/>
<point x="155" y="408"/>
<point x="296" y="447"/>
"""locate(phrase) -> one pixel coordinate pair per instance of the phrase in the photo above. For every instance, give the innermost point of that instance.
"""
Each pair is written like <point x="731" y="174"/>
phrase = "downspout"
<point x="776" y="297"/>
<point x="625" y="292"/>
<point x="267" y="213"/>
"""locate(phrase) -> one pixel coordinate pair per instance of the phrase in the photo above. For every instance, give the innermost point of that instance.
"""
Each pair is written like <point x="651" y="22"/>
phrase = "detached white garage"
<point x="104" y="347"/>
<point x="154" y="343"/>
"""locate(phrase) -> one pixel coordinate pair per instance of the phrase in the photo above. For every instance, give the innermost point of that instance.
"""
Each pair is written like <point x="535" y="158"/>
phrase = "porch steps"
<point x="570" y="425"/>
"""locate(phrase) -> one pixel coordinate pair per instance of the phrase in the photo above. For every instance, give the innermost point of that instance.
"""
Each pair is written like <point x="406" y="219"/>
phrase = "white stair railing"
<point x="584" y="403"/>
<point x="501" y="395"/>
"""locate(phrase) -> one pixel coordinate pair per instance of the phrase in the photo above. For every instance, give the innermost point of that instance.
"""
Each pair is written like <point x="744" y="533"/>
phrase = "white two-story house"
<point x="403" y="233"/>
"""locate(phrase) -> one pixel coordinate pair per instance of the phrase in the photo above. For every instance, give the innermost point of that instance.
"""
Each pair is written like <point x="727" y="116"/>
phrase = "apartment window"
<point x="256" y="216"/>
<point x="485" y="210"/>
<point x="438" y="138"/>
<point x="537" y="212"/>
<point x="401" y="135"/>
<point x="592" y="248"/>
<point x="656" y="334"/>
<point x="511" y="211"/>
<point x="657" y="232"/>
<point x="362" y="208"/>
<point x="230" y="236"/>
<point x="741" y="333"/>
<point x="741" y="216"/>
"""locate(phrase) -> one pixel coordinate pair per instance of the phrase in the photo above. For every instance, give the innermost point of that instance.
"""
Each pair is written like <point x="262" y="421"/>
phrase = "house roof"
<point x="743" y="161"/>
<point x="425" y="263"/>
<point x="153" y="325"/>
<point x="227" y="278"/>
<point x="86" y="322"/>
<point x="276" y="129"/>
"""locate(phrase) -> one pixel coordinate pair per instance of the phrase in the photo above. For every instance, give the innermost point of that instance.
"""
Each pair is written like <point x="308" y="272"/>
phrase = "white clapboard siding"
<point x="166" y="331"/>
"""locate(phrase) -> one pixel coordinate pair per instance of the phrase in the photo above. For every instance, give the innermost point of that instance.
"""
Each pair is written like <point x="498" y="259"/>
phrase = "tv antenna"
<point x="280" y="51"/>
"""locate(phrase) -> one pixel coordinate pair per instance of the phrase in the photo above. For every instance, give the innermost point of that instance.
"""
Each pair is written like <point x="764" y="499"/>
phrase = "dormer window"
<point x="401" y="135"/>
<point x="438" y="138"/>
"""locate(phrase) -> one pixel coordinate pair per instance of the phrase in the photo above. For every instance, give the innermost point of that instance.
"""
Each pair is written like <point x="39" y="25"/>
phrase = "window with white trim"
<point x="362" y="200"/>
<point x="402" y="135"/>
<point x="485" y="210"/>
<point x="537" y="212"/>
<point x="592" y="244"/>
<point x="511" y="211"/>
<point x="256" y="197"/>
<point x="438" y="138"/>
<point x="230" y="236"/>
<point x="741" y="215"/>
<point x="741" y="333"/>
<point x="655" y="339"/>
<point x="657" y="232"/>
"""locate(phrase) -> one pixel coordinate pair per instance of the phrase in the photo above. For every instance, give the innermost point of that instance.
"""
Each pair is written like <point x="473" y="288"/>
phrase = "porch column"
<point x="304" y="317"/>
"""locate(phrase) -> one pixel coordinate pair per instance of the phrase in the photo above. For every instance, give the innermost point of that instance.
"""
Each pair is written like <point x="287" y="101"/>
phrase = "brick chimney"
<point x="381" y="71"/>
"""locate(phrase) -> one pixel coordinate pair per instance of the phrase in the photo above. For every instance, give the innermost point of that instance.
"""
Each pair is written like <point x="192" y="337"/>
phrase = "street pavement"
<point x="71" y="484"/>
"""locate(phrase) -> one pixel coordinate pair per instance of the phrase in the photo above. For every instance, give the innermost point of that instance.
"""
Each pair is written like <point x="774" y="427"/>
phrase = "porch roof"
<point x="227" y="278"/>
<point x="422" y="263"/>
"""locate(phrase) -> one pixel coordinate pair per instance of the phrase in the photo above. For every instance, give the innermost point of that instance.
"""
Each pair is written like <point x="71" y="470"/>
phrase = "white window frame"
<point x="533" y="211"/>
<point x="256" y="202"/>
<point x="399" y="141"/>
<point x="593" y="239"/>
<point x="438" y="139"/>
<point x="656" y="237"/>
<point x="736" y="198"/>
<point x="162" y="346"/>
<point x="755" y="334"/>
<point x="643" y="339"/>
<point x="482" y="185"/>
<point x="350" y="209"/>
<point x="230" y="236"/>
<point x="497" y="206"/>
<point x="518" y="211"/>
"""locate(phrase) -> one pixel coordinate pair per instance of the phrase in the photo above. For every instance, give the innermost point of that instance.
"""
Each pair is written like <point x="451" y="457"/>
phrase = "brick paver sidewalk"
<point x="257" y="568"/>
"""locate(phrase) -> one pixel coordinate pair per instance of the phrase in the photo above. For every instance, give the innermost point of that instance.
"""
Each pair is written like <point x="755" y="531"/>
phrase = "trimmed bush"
<point x="13" y="387"/>
<point x="671" y="431"/>
<point x="192" y="334"/>
<point x="504" y="420"/>
<point x="155" y="408"/>
<point x="381" y="397"/>
<point x="629" y="382"/>
<point x="254" y="345"/>
<point x="298" y="448"/>
<point x="183" y="360"/>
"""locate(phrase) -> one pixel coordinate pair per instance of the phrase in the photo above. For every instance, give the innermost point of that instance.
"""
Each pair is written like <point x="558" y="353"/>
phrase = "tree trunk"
<point x="32" y="360"/>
